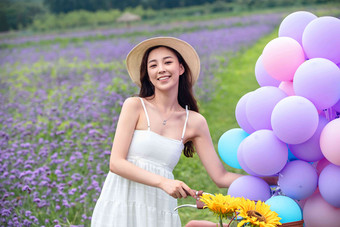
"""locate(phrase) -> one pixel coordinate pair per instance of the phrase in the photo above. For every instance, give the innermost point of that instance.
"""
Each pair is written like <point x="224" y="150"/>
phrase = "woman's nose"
<point x="161" y="69"/>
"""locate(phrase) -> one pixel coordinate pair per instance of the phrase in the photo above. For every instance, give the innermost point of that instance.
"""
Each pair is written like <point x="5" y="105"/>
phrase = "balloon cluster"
<point x="290" y="125"/>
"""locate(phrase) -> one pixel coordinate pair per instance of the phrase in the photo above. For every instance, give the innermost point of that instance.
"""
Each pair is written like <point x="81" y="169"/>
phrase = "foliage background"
<point x="43" y="15"/>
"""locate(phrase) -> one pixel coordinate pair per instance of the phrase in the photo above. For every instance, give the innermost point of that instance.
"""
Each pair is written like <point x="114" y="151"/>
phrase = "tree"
<point x="15" y="15"/>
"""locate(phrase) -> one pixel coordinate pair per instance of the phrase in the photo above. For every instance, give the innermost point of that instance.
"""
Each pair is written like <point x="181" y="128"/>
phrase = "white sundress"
<point x="125" y="203"/>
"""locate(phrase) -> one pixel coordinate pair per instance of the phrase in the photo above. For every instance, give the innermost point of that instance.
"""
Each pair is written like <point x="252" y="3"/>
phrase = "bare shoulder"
<point x="130" y="112"/>
<point x="132" y="103"/>
<point x="197" y="125"/>
<point x="196" y="119"/>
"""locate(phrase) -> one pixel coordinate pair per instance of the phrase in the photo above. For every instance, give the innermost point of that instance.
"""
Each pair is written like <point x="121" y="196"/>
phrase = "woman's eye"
<point x="168" y="62"/>
<point x="152" y="66"/>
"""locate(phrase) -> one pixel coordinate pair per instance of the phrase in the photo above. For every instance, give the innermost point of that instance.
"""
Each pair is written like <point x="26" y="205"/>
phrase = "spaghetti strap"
<point x="146" y="113"/>
<point x="185" y="124"/>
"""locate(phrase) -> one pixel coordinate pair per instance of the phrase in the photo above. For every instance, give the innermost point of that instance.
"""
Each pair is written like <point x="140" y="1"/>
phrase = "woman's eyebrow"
<point x="154" y="60"/>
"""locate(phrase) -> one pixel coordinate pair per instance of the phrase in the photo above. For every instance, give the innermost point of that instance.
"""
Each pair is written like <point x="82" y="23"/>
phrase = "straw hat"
<point x="134" y="58"/>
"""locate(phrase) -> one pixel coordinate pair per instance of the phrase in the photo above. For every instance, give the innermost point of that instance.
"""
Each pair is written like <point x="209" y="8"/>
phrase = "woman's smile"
<point x="162" y="78"/>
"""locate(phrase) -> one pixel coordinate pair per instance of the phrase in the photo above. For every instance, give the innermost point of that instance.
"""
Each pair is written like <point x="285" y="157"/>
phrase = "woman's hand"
<point x="176" y="188"/>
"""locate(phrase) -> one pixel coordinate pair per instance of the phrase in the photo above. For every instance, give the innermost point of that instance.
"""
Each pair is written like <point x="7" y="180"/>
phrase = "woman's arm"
<point x="207" y="154"/>
<point x="127" y="122"/>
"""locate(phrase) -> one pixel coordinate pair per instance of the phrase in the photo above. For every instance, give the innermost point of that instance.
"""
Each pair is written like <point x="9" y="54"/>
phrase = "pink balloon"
<point x="262" y="77"/>
<point x="301" y="202"/>
<point x="287" y="87"/>
<point x="260" y="106"/>
<point x="240" y="113"/>
<point x="317" y="212"/>
<point x="318" y="80"/>
<point x="321" y="165"/>
<point x="294" y="24"/>
<point x="294" y="119"/>
<point x="321" y="39"/>
<point x="310" y="150"/>
<point x="281" y="57"/>
<point x="264" y="153"/>
<point x="330" y="141"/>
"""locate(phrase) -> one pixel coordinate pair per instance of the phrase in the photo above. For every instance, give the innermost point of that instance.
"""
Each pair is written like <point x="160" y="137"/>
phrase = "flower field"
<point x="60" y="97"/>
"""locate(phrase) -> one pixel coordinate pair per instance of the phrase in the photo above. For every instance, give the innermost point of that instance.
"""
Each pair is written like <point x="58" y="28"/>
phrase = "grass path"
<point x="235" y="79"/>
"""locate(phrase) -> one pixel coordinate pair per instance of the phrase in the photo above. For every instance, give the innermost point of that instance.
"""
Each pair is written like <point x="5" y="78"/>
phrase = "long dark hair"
<point x="185" y="92"/>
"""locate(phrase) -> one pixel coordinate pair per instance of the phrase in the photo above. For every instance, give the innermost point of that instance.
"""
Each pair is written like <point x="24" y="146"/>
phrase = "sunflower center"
<point x="257" y="215"/>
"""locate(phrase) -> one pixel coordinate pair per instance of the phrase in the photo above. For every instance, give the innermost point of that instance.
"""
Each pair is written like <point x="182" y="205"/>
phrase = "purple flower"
<point x="5" y="212"/>
<point x="72" y="191"/>
<point x="28" y="213"/>
<point x="36" y="200"/>
<point x="27" y="222"/>
<point x="66" y="203"/>
<point x="27" y="188"/>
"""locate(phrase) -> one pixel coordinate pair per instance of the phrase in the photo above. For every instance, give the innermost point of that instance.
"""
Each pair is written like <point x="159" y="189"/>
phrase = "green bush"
<point x="18" y="15"/>
<point x="75" y="19"/>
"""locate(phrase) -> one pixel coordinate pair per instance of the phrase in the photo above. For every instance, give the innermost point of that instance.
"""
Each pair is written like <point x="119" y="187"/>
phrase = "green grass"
<point x="235" y="80"/>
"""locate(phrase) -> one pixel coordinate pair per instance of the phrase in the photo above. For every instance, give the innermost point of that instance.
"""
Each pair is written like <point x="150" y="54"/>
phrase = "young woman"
<point x="152" y="131"/>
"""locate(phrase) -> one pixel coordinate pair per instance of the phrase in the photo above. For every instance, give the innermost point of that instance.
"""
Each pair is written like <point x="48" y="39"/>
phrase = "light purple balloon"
<point x="250" y="187"/>
<point x="329" y="184"/>
<point x="310" y="150"/>
<point x="294" y="24"/>
<point x="298" y="180"/>
<point x="263" y="153"/>
<point x="241" y="161"/>
<point x="318" y="80"/>
<point x="321" y="39"/>
<point x="260" y="105"/>
<point x="262" y="77"/>
<point x="294" y="119"/>
<point x="240" y="113"/>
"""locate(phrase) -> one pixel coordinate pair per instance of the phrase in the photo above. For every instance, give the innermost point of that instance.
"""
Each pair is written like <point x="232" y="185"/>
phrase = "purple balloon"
<point x="241" y="161"/>
<point x="329" y="184"/>
<point x="260" y="105"/>
<point x="310" y="150"/>
<point x="262" y="77"/>
<point x="250" y="187"/>
<point x="318" y="80"/>
<point x="240" y="113"/>
<point x="294" y="24"/>
<point x="298" y="180"/>
<point x="294" y="119"/>
<point x="321" y="39"/>
<point x="263" y="153"/>
<point x="336" y="107"/>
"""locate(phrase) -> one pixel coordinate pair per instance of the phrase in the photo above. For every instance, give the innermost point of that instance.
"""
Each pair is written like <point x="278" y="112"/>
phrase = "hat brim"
<point x="189" y="54"/>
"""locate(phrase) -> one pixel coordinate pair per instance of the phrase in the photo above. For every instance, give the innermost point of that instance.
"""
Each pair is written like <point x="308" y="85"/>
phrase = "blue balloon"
<point x="287" y="209"/>
<point x="228" y="145"/>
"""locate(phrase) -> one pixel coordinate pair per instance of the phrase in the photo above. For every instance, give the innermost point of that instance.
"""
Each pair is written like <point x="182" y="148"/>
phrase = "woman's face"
<point x="164" y="68"/>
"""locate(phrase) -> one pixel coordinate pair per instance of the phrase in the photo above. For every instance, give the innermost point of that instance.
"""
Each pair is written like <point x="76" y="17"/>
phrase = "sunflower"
<point x="258" y="214"/>
<point x="221" y="205"/>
